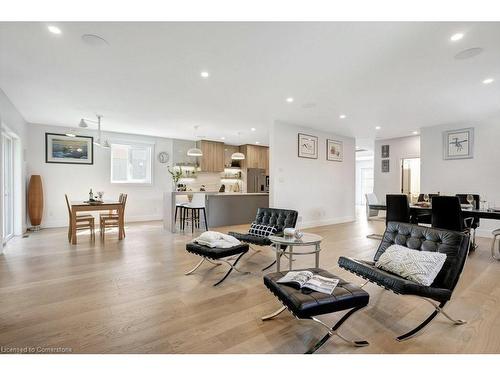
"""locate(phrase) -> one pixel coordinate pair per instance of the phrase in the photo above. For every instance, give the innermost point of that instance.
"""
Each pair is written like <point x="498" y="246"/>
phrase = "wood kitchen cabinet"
<point x="255" y="157"/>
<point x="213" y="156"/>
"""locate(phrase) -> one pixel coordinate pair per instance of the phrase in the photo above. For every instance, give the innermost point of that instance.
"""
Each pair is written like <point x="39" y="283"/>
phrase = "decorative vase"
<point x="35" y="201"/>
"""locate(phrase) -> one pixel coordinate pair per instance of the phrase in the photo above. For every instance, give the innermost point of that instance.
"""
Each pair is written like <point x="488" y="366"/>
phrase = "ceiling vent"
<point x="468" y="53"/>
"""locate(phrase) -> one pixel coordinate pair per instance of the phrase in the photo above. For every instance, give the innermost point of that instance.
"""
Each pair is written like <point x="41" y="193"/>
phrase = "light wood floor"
<point x="132" y="297"/>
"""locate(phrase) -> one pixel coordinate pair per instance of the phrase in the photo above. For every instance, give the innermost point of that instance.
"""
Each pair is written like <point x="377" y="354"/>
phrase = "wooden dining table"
<point x="81" y="206"/>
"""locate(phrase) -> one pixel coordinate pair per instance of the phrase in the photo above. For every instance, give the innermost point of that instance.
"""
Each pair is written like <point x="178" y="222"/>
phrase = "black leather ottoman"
<point x="215" y="254"/>
<point x="306" y="304"/>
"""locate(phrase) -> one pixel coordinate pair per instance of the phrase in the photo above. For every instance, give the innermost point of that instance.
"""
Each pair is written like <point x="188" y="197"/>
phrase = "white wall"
<point x="321" y="191"/>
<point x="12" y="119"/>
<point x="477" y="175"/>
<point x="399" y="148"/>
<point x="144" y="201"/>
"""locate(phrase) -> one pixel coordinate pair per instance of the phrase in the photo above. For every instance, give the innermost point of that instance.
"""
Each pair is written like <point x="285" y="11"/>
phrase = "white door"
<point x="8" y="187"/>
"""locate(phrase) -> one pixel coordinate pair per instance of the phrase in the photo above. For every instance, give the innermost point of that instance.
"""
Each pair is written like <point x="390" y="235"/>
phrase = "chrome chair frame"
<point x="214" y="262"/>
<point x="332" y="331"/>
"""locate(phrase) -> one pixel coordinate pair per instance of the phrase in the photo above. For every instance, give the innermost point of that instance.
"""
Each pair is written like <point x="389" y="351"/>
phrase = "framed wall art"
<point x="334" y="150"/>
<point x="308" y="146"/>
<point x="60" y="148"/>
<point x="385" y="166"/>
<point x="458" y="144"/>
<point x="385" y="151"/>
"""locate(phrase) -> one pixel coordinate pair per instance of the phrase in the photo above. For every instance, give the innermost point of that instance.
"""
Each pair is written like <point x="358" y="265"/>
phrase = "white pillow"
<point x="419" y="266"/>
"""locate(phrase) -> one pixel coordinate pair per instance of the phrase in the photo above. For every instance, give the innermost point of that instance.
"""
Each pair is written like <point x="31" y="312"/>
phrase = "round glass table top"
<point x="307" y="239"/>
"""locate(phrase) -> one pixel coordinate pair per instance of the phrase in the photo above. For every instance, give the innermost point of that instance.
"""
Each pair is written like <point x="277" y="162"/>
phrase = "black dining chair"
<point x="471" y="222"/>
<point x="447" y="214"/>
<point x="398" y="208"/>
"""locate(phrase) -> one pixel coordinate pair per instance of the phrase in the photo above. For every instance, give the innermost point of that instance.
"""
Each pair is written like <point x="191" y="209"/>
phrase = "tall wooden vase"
<point x="35" y="201"/>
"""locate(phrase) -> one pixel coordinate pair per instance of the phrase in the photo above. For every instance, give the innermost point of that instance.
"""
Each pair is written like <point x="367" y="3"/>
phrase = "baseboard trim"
<point x="321" y="223"/>
<point x="128" y="219"/>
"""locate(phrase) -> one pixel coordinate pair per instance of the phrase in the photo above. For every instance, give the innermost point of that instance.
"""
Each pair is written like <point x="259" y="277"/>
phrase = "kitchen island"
<point x="222" y="208"/>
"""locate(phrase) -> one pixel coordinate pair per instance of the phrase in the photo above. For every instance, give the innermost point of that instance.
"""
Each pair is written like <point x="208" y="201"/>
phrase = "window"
<point x="131" y="163"/>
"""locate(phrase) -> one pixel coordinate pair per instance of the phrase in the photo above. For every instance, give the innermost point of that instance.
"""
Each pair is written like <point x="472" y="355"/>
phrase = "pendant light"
<point x="238" y="155"/>
<point x="195" y="151"/>
<point x="98" y="141"/>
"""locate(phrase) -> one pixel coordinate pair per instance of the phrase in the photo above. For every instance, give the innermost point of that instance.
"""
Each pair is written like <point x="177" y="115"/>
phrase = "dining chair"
<point x="372" y="214"/>
<point x="447" y="214"/>
<point x="112" y="220"/>
<point x="471" y="222"/>
<point x="398" y="208"/>
<point x="83" y="221"/>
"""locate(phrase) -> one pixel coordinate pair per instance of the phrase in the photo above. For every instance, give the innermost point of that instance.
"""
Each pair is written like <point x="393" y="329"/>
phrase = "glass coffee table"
<point x="308" y="239"/>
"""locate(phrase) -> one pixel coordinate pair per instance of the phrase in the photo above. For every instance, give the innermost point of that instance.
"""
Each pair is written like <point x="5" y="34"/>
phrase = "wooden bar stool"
<point x="83" y="221"/>
<point x="112" y="219"/>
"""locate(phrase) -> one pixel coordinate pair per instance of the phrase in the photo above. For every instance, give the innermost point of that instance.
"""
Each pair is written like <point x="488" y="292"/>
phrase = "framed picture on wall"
<point x="458" y="144"/>
<point x="308" y="146"/>
<point x="334" y="150"/>
<point x="385" y="166"/>
<point x="60" y="148"/>
<point x="385" y="151"/>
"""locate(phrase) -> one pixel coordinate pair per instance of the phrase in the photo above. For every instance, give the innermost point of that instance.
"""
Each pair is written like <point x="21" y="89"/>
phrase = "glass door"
<point x="8" y="187"/>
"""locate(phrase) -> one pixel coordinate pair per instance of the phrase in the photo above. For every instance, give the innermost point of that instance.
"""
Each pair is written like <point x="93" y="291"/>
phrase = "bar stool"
<point x="180" y="201"/>
<point x="496" y="234"/>
<point x="194" y="209"/>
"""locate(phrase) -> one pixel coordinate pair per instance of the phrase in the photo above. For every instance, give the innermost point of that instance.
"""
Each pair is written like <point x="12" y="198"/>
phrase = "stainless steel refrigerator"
<point x="256" y="180"/>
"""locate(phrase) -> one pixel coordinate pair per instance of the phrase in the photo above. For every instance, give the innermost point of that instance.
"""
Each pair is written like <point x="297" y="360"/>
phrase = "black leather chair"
<point x="454" y="244"/>
<point x="398" y="208"/>
<point x="280" y="218"/>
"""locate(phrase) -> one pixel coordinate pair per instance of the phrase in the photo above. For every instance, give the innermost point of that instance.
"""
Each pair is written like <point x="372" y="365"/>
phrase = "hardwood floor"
<point x="132" y="297"/>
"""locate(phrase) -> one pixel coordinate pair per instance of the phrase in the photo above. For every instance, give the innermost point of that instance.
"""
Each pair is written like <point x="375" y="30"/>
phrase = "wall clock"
<point x="163" y="157"/>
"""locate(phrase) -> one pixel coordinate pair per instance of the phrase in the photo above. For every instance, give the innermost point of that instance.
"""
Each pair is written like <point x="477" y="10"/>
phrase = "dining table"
<point x="493" y="214"/>
<point x="85" y="206"/>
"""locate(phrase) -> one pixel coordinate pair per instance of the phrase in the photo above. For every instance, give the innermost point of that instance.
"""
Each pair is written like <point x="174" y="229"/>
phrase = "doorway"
<point x="410" y="176"/>
<point x="366" y="183"/>
<point x="7" y="187"/>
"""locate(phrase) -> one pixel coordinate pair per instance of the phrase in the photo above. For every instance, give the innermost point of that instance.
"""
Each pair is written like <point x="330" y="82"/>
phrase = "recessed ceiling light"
<point x="487" y="81"/>
<point x="289" y="100"/>
<point x="54" y="29"/>
<point x="205" y="74"/>
<point x="342" y="116"/>
<point x="222" y="138"/>
<point x="456" y="37"/>
<point x="415" y="132"/>
<point x="377" y="128"/>
<point x="257" y="142"/>
<point x="253" y="129"/>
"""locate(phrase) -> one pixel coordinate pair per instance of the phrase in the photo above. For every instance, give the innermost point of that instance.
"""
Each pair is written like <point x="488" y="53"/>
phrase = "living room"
<point x="177" y="186"/>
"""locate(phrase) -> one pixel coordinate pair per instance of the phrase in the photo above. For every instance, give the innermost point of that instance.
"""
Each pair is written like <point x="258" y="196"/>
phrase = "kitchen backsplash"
<point x="212" y="182"/>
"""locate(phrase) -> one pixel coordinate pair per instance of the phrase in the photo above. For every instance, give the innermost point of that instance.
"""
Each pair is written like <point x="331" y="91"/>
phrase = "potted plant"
<point x="176" y="175"/>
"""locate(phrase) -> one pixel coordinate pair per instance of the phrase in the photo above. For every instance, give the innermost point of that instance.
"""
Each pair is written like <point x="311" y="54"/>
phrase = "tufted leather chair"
<point x="454" y="244"/>
<point x="280" y="218"/>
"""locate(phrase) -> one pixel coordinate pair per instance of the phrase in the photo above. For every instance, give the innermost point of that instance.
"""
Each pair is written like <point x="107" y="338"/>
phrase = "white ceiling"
<point x="400" y="76"/>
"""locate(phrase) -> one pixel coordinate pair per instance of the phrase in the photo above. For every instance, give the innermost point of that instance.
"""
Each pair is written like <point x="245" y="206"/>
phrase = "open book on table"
<point x="307" y="279"/>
